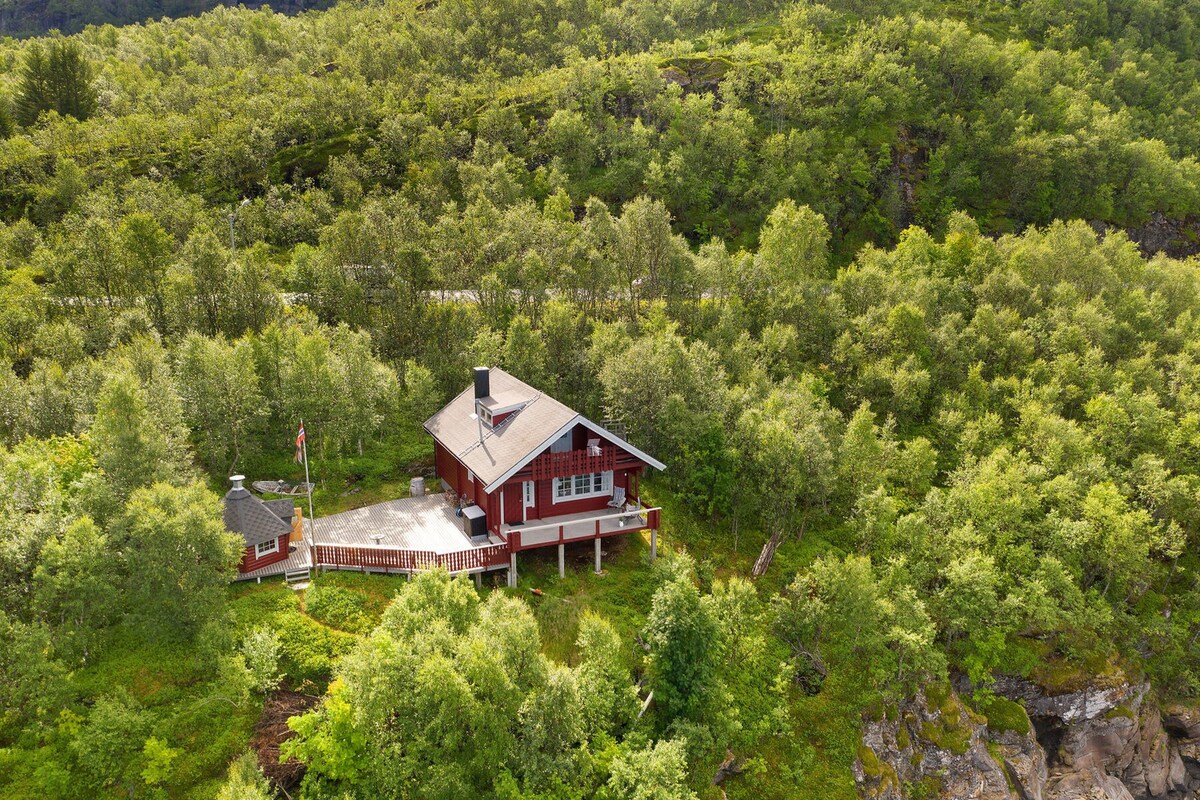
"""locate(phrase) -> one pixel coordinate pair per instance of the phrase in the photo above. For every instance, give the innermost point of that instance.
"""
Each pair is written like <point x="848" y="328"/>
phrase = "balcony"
<point x="582" y="526"/>
<point x="573" y="462"/>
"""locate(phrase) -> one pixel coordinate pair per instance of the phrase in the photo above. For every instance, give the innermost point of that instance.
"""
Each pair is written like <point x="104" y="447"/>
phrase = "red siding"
<point x="251" y="563"/>
<point x="447" y="465"/>
<point x="455" y="473"/>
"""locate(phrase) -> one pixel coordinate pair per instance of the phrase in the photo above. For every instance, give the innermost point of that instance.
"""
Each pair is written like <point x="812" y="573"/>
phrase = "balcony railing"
<point x="583" y="527"/>
<point x="573" y="462"/>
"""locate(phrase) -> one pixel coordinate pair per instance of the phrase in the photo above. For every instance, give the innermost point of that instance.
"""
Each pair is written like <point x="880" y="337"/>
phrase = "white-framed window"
<point x="266" y="548"/>
<point x="577" y="487"/>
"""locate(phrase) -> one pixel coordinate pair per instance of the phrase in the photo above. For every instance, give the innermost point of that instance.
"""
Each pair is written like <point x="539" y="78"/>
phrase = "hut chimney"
<point x="482" y="383"/>
<point x="236" y="480"/>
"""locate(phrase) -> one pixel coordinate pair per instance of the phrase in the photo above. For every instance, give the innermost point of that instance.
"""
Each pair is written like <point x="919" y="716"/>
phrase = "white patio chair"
<point x="593" y="447"/>
<point x="618" y="498"/>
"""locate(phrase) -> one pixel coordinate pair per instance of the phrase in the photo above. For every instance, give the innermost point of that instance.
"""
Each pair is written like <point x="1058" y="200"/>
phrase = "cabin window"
<point x="266" y="548"/>
<point x="562" y="444"/>
<point x="589" y="484"/>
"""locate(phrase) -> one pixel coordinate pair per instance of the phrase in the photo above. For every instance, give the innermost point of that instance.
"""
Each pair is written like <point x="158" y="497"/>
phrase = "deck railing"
<point x="573" y="462"/>
<point x="647" y="519"/>
<point x="405" y="560"/>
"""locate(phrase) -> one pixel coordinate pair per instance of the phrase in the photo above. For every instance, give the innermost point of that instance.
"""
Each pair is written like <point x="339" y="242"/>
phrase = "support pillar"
<point x="598" y="568"/>
<point x="478" y="580"/>
<point x="653" y="543"/>
<point x="562" y="560"/>
<point x="512" y="571"/>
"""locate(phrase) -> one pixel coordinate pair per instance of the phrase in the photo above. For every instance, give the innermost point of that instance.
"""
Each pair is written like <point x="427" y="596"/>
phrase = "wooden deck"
<point x="298" y="559"/>
<point x="425" y="524"/>
<point x="405" y="535"/>
<point x="416" y="533"/>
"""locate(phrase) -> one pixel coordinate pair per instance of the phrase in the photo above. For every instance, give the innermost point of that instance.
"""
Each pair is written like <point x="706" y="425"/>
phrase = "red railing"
<point x="394" y="558"/>
<point x="495" y="555"/>
<point x="573" y="462"/>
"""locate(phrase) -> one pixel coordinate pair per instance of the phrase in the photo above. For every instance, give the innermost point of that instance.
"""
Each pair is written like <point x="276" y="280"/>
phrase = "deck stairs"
<point x="297" y="576"/>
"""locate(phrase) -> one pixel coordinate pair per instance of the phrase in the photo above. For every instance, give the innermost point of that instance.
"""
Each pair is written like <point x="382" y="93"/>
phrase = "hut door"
<point x="530" y="500"/>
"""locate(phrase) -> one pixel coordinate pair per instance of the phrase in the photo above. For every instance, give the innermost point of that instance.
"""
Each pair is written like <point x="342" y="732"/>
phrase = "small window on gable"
<point x="266" y="548"/>
<point x="562" y="444"/>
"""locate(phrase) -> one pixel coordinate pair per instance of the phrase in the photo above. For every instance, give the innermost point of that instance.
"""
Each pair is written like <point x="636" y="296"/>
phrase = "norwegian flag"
<point x="300" y="445"/>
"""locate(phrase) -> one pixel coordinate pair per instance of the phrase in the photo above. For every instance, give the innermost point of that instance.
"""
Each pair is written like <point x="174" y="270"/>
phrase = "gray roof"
<point x="257" y="521"/>
<point x="518" y="438"/>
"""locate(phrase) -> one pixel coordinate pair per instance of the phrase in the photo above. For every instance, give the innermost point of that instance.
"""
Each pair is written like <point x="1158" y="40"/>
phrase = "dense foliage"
<point x="812" y="255"/>
<point x="35" y="18"/>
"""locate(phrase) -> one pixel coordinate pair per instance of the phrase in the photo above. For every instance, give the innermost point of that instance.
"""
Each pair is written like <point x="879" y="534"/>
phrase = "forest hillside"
<point x="38" y="18"/>
<point x="904" y="290"/>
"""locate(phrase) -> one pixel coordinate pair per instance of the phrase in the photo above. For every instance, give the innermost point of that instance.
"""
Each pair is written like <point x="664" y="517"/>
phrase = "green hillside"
<point x="881" y="283"/>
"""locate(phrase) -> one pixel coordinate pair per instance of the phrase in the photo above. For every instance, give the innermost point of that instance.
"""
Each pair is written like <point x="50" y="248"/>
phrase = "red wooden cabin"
<point x="538" y="470"/>
<point x="266" y="526"/>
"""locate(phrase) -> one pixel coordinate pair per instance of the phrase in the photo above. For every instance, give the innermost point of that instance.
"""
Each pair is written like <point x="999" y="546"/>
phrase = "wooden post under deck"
<point x="653" y="543"/>
<point x="598" y="570"/>
<point x="562" y="560"/>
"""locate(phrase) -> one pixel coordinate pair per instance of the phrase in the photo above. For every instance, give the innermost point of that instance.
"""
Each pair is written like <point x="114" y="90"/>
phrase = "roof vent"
<point x="236" y="480"/>
<point x="482" y="383"/>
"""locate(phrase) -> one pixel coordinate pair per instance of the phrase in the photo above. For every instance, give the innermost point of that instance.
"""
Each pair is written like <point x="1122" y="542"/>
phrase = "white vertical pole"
<point x="312" y="522"/>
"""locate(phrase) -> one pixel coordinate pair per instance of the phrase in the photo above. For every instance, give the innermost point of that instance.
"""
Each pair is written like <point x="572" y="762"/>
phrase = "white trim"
<point x="578" y="419"/>
<point x="259" y="552"/>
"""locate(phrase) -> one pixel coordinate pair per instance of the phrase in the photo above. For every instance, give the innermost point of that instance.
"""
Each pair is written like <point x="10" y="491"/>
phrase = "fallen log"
<point x="731" y="766"/>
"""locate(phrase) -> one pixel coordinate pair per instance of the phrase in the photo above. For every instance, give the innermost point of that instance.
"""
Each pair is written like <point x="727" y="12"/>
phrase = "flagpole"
<point x="308" y="485"/>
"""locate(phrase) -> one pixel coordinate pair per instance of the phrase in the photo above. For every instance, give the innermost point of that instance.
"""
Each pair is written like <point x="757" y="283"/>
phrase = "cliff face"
<point x="1100" y="743"/>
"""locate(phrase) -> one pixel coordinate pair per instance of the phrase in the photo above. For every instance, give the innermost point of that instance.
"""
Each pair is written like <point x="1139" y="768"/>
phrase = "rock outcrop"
<point x="1025" y="743"/>
<point x="1178" y="238"/>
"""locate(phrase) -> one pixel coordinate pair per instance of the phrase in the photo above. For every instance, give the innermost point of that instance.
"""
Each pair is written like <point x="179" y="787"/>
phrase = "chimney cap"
<point x="236" y="480"/>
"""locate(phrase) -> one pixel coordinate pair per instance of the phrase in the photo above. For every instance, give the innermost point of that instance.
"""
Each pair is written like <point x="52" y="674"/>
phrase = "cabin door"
<point x="530" y="500"/>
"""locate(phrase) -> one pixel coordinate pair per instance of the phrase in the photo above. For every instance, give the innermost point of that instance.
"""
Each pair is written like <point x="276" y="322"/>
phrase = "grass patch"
<point x="383" y="472"/>
<point x="1118" y="712"/>
<point x="1003" y="715"/>
<point x="621" y="595"/>
<point x="952" y="729"/>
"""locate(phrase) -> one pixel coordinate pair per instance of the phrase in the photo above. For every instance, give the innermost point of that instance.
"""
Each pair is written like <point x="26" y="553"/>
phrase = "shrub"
<point x="309" y="650"/>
